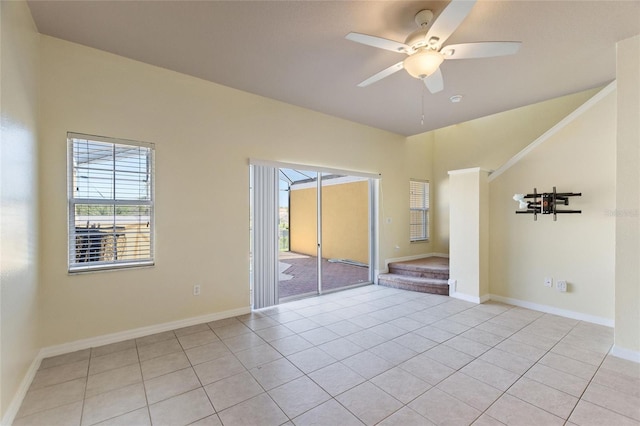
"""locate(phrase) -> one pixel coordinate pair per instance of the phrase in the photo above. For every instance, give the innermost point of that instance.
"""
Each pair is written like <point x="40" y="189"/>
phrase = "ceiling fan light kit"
<point x="424" y="46"/>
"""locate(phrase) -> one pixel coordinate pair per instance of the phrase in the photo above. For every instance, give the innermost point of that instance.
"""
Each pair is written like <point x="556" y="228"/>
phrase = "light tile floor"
<point x="371" y="355"/>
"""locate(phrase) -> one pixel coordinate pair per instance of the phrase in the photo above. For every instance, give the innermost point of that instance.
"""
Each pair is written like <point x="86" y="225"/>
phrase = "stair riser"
<point x="424" y="273"/>
<point x="422" y="288"/>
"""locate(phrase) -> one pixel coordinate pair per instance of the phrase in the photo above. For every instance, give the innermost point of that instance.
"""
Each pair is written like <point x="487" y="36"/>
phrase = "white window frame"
<point x="74" y="265"/>
<point x="421" y="207"/>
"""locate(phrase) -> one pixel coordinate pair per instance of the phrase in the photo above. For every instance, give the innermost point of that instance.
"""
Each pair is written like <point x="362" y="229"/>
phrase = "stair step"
<point x="421" y="284"/>
<point x="432" y="267"/>
<point x="440" y="274"/>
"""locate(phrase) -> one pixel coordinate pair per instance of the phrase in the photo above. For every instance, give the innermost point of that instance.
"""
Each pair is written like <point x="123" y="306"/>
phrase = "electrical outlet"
<point x="196" y="290"/>
<point x="548" y="282"/>
<point x="561" y="286"/>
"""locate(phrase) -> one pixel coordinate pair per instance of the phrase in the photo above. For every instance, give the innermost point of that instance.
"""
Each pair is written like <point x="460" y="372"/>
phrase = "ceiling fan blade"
<point x="434" y="82"/>
<point x="382" y="74"/>
<point x="448" y="21"/>
<point x="486" y="49"/>
<point x="379" y="42"/>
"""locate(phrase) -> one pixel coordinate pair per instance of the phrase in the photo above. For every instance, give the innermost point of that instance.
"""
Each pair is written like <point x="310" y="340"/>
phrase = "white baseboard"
<point x="469" y="298"/>
<point x="92" y="342"/>
<point x="553" y="310"/>
<point x="625" y="353"/>
<point x="14" y="406"/>
<point x="106" y="339"/>
<point x="438" y="255"/>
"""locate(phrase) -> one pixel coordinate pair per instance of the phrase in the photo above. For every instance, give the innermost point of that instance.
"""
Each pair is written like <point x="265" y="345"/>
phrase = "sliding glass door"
<point x="345" y="231"/>
<point x="322" y="235"/>
<point x="298" y="225"/>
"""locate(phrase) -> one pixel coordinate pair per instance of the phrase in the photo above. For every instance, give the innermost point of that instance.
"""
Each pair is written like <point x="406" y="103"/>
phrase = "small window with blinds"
<point x="419" y="210"/>
<point x="111" y="199"/>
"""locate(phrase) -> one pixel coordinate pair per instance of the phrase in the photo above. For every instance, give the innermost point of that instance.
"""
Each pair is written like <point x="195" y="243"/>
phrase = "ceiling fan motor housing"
<point x="417" y="39"/>
<point x="424" y="18"/>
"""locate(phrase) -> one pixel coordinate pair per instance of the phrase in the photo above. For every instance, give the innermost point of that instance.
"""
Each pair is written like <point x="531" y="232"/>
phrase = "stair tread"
<point x="428" y="263"/>
<point x="400" y="265"/>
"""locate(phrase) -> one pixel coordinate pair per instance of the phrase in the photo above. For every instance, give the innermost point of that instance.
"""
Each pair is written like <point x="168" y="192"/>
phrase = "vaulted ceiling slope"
<point x="296" y="51"/>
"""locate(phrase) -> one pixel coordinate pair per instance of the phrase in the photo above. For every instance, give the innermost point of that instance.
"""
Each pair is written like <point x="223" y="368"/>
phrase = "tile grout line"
<point x="84" y="394"/>
<point x="144" y="386"/>
<point x="505" y="392"/>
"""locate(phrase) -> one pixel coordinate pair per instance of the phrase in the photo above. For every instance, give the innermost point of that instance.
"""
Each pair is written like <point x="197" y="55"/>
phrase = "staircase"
<point x="426" y="275"/>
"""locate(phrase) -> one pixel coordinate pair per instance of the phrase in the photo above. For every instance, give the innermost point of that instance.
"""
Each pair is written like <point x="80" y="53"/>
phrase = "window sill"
<point x="109" y="268"/>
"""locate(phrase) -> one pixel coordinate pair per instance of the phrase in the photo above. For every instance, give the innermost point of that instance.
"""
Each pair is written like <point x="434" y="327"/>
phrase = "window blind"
<point x="418" y="210"/>
<point x="110" y="203"/>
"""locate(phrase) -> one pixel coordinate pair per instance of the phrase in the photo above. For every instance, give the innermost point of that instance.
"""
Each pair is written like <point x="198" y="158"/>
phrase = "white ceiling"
<point x="295" y="51"/>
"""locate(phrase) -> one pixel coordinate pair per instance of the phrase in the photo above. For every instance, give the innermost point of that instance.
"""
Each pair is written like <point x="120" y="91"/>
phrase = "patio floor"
<point x="298" y="274"/>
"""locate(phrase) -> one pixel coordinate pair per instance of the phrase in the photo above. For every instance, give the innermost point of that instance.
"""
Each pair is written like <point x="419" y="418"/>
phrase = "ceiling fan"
<point x="424" y="46"/>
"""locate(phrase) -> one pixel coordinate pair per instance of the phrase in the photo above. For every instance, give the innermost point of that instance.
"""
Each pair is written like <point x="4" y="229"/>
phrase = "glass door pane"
<point x="345" y="228"/>
<point x="298" y="230"/>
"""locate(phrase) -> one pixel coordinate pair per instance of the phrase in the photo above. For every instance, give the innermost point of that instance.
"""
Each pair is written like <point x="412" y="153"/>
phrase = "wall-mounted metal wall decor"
<point x="545" y="203"/>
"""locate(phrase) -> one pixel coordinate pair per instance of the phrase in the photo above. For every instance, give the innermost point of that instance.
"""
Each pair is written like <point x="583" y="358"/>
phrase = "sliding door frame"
<point x="373" y="203"/>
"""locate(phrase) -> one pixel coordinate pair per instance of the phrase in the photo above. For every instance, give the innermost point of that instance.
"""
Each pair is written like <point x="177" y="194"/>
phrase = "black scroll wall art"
<point x="545" y="203"/>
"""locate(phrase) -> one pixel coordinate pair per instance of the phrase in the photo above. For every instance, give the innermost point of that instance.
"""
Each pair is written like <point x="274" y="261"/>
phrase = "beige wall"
<point x="204" y="134"/>
<point x="627" y="248"/>
<point x="488" y="143"/>
<point x="345" y="221"/>
<point x="578" y="248"/>
<point x="397" y="232"/>
<point x="18" y="198"/>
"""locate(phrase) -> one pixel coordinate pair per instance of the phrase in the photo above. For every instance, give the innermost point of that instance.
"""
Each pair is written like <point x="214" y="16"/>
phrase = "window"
<point x="110" y="203"/>
<point x="419" y="210"/>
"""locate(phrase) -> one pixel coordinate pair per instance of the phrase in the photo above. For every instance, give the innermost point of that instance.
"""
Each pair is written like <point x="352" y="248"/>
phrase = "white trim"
<point x="107" y="139"/>
<point x="137" y="332"/>
<point x="439" y="255"/>
<point x="473" y="299"/>
<point x="321" y="169"/>
<point x="377" y="272"/>
<point x="555" y="129"/>
<point x="553" y="310"/>
<point x="328" y="182"/>
<point x="14" y="406"/>
<point x="625" y="353"/>
<point x="470" y="170"/>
